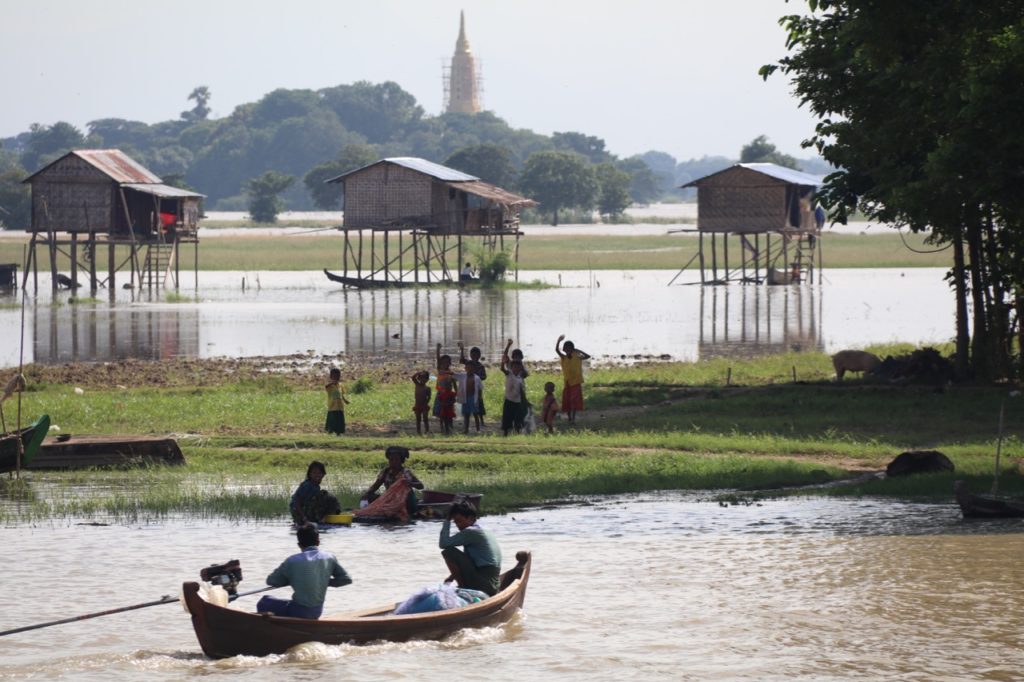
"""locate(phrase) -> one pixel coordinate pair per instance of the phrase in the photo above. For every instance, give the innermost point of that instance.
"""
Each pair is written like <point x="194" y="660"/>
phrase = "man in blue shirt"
<point x="309" y="573"/>
<point x="479" y="567"/>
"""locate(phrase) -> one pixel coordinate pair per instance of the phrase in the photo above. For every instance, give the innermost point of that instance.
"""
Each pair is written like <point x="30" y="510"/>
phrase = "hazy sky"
<point x="674" y="75"/>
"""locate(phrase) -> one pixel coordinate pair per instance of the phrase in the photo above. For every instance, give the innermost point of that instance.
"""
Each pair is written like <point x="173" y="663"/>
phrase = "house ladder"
<point x="158" y="264"/>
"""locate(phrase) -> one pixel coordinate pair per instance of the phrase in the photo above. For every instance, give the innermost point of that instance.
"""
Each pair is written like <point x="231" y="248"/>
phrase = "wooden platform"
<point x="83" y="452"/>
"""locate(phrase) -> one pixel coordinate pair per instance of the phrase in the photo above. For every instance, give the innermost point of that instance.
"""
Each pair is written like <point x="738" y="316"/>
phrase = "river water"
<point x="657" y="587"/>
<point x="613" y="315"/>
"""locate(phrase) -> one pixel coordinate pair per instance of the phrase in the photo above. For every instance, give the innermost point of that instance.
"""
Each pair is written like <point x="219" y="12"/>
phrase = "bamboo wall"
<point x="73" y="196"/>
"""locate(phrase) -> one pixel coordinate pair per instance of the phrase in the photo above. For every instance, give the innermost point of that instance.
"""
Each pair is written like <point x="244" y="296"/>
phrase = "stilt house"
<point x="429" y="210"/>
<point x="751" y="200"/>
<point x="102" y="197"/>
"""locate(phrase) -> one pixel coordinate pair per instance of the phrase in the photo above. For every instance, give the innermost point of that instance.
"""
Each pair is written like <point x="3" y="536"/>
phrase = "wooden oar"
<point x="166" y="599"/>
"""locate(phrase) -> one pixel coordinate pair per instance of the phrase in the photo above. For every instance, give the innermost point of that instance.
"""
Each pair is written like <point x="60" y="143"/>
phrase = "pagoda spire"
<point x="461" y="81"/>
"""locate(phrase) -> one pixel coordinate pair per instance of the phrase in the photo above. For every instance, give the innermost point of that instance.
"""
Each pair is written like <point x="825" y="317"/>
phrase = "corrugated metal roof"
<point x="495" y="194"/>
<point x="793" y="177"/>
<point x="434" y="170"/>
<point x="117" y="165"/>
<point x="165" y="191"/>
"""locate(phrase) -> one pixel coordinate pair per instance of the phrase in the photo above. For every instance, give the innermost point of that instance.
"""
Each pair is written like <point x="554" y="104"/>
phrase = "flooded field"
<point x="662" y="586"/>
<point x="615" y="316"/>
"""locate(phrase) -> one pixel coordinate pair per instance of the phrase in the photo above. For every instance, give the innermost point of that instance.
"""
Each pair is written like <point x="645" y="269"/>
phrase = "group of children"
<point x="466" y="389"/>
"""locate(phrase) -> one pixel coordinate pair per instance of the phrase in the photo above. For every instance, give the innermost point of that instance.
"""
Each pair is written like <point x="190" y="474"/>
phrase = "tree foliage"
<point x="490" y="162"/>
<point x="559" y="180"/>
<point x="760" y="150"/>
<point x="329" y="196"/>
<point x="613" y="190"/>
<point x="918" y="105"/>
<point x="201" y="96"/>
<point x="264" y="200"/>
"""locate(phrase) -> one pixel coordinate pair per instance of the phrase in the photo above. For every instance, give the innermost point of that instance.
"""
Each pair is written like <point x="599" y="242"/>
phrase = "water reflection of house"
<point x="747" y="202"/>
<point x="99" y="334"/>
<point x="421" y="218"/>
<point x="752" y="321"/>
<point x="94" y="200"/>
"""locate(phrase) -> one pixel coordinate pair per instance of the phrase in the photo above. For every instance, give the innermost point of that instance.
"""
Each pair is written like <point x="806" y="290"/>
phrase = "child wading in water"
<point x="549" y="408"/>
<point x="421" y="408"/>
<point x="444" y="404"/>
<point x="572" y="377"/>
<point x="336" y="402"/>
<point x="475" y="376"/>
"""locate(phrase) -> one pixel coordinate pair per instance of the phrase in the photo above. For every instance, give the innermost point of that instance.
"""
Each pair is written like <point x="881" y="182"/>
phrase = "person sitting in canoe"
<point x="309" y="502"/>
<point x="393" y="472"/>
<point x="309" y="573"/>
<point x="479" y="566"/>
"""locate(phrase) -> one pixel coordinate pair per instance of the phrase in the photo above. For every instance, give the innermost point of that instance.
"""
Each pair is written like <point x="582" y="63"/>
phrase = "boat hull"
<point x="31" y="437"/>
<point x="225" y="632"/>
<point x="986" y="506"/>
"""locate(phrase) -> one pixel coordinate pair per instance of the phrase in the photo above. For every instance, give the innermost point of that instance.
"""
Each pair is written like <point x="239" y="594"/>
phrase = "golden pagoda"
<point x="462" y="89"/>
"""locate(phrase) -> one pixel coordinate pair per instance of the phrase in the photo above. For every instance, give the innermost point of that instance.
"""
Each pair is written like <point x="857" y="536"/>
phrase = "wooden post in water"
<point x="999" y="449"/>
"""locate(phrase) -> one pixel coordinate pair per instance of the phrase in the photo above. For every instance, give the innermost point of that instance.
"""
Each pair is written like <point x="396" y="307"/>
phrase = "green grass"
<point x="648" y="427"/>
<point x="664" y="252"/>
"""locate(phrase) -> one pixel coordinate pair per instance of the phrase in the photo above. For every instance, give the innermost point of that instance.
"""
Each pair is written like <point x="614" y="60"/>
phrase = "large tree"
<point x="613" y="190"/>
<point x="559" y="180"/>
<point x="263" y="191"/>
<point x="918" y="105"/>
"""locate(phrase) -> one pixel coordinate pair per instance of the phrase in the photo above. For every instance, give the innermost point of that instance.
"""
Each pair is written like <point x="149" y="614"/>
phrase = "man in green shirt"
<point x="479" y="566"/>
<point x="309" y="573"/>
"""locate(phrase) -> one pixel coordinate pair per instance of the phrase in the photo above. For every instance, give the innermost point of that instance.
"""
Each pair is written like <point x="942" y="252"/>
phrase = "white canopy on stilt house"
<point x="103" y="197"/>
<point x="435" y="206"/>
<point x="751" y="200"/>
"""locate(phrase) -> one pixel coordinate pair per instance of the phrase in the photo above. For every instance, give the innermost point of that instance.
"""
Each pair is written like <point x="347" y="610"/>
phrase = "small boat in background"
<point x="986" y="506"/>
<point x="31" y="437"/>
<point x="225" y="632"/>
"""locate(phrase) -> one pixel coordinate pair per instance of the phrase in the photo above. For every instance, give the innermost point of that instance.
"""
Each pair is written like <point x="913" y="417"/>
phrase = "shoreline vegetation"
<point x="731" y="431"/>
<point x="283" y="252"/>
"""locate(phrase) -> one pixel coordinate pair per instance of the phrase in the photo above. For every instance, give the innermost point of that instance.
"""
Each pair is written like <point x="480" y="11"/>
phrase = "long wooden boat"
<point x="986" y="506"/>
<point x="83" y="452"/>
<point x="30" y="437"/>
<point x="225" y="632"/>
<point x="367" y="283"/>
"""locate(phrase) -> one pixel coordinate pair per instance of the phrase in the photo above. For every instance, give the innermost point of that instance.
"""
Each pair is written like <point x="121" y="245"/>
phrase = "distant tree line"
<point x="313" y="135"/>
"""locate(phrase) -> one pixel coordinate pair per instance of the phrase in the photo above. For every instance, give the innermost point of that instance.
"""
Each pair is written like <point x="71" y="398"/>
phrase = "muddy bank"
<point x="298" y="370"/>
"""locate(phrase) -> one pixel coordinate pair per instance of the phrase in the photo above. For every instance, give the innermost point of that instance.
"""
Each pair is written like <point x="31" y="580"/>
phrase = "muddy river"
<point x="657" y="587"/>
<point x="612" y="315"/>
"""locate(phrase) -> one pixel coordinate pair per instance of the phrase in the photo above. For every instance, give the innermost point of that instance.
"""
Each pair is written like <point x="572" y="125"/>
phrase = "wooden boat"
<point x="986" y="506"/>
<point x="367" y="283"/>
<point x="434" y="504"/>
<point x="85" y="452"/>
<point x="30" y="438"/>
<point x="225" y="632"/>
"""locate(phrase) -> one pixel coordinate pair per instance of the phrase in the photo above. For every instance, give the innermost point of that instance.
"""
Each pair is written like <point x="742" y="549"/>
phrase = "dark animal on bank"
<point x="919" y="462"/>
<point x="66" y="282"/>
<point x="854" y="361"/>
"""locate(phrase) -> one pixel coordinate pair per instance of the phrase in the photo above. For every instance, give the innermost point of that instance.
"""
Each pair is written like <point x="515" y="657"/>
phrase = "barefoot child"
<point x="549" y="408"/>
<point x="572" y="377"/>
<point x="444" y="405"/>
<point x="514" y="410"/>
<point x="475" y="375"/>
<point x="421" y="408"/>
<point x="336" y="402"/>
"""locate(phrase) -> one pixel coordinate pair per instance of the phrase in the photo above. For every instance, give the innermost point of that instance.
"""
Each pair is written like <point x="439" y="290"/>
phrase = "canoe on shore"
<point x="31" y="436"/>
<point x="85" y="452"/>
<point x="986" y="506"/>
<point x="225" y="632"/>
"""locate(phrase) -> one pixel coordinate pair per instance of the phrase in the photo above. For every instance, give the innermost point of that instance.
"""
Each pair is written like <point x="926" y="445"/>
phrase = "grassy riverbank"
<point x="571" y="252"/>
<point x="248" y="429"/>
